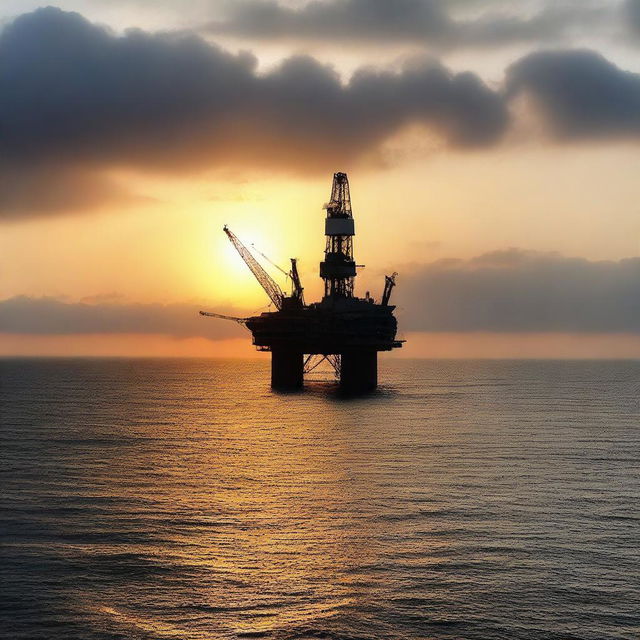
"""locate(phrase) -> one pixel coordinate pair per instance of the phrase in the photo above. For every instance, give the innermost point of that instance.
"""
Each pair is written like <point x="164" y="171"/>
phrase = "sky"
<point x="492" y="149"/>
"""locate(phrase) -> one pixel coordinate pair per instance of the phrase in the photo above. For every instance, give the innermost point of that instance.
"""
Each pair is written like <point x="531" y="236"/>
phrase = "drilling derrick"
<point x="345" y="330"/>
<point x="338" y="269"/>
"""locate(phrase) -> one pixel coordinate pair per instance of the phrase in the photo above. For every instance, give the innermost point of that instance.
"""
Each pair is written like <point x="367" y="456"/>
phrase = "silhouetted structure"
<point x="346" y="331"/>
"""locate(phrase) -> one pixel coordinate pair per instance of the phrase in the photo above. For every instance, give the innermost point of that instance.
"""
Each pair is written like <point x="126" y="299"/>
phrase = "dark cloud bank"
<point x="518" y="291"/>
<point x="582" y="94"/>
<point x="76" y="100"/>
<point x="506" y="291"/>
<point x="428" y="22"/>
<point x="45" y="316"/>
<point x="74" y="97"/>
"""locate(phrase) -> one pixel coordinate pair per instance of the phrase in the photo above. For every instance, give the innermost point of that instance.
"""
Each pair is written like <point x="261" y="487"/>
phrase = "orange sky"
<point x="418" y="345"/>
<point x="414" y="201"/>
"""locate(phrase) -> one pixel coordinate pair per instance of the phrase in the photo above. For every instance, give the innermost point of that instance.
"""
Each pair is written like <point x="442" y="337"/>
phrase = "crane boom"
<point x="266" y="281"/>
<point x="211" y="314"/>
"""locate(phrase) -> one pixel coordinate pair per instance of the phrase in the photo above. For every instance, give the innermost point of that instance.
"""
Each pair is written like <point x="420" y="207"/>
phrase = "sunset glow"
<point x="141" y="222"/>
<point x="320" y="319"/>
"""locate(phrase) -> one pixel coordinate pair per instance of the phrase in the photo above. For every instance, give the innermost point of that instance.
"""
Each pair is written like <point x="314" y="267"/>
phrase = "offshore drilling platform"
<point x="342" y="329"/>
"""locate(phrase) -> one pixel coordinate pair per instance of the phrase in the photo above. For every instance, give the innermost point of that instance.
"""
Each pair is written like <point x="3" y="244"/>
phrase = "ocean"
<point x="184" y="499"/>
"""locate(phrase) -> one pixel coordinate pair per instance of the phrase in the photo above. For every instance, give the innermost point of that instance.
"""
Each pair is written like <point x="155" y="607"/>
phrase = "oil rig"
<point x="342" y="329"/>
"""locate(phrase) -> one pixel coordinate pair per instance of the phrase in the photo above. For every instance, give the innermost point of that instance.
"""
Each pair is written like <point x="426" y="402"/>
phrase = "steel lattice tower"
<point x="338" y="269"/>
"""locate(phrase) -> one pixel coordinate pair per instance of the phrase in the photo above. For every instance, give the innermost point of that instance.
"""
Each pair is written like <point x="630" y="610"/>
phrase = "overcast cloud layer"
<point x="49" y="316"/>
<point x="74" y="97"/>
<point x="425" y="22"/>
<point x="522" y="291"/>
<point x="76" y="100"/>
<point x="504" y="291"/>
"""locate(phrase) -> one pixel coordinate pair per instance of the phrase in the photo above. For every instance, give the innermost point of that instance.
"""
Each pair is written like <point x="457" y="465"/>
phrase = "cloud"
<point x="579" y="93"/>
<point x="522" y="291"/>
<point x="77" y="101"/>
<point x="74" y="92"/>
<point x="632" y="15"/>
<point x="337" y="20"/>
<point x="76" y="98"/>
<point x="502" y="291"/>
<point x="424" y="22"/>
<point x="50" y="316"/>
<point x="49" y="190"/>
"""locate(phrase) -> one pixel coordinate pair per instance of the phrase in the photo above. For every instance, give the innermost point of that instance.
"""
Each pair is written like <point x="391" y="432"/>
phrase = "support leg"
<point x="286" y="369"/>
<point x="359" y="371"/>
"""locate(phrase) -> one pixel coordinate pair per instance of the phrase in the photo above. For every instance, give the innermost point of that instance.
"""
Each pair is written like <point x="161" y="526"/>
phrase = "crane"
<point x="295" y="282"/>
<point x="389" y="283"/>
<point x="293" y="275"/>
<point x="271" y="287"/>
<point x="210" y="314"/>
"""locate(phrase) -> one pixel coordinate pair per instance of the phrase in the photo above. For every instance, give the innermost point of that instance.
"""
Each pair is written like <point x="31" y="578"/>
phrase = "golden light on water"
<point x="183" y="499"/>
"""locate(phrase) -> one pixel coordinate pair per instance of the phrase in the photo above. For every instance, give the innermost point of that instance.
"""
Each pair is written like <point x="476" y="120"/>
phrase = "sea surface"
<point x="183" y="499"/>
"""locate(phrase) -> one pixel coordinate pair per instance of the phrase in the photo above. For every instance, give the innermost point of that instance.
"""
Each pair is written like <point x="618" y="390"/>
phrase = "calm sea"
<point x="183" y="499"/>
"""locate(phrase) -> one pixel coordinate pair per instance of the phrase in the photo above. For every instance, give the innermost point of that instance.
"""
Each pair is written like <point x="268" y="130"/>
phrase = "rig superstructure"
<point x="345" y="330"/>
